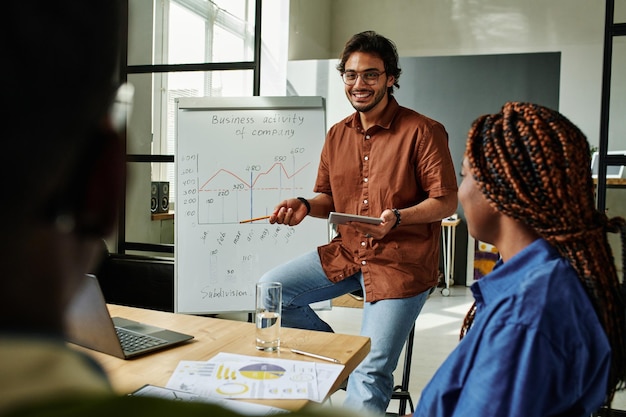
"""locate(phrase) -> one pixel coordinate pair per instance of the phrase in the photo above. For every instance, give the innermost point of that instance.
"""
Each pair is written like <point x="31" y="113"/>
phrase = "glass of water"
<point x="268" y="308"/>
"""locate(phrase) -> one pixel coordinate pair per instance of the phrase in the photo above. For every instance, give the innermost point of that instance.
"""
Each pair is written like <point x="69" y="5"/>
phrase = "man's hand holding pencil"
<point x="290" y="212"/>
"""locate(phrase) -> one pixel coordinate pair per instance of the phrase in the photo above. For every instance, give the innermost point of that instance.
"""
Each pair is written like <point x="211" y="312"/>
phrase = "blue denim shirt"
<point x="536" y="347"/>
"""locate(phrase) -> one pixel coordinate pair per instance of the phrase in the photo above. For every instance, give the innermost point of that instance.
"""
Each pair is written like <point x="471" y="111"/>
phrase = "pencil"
<point x="255" y="219"/>
<point x="314" y="355"/>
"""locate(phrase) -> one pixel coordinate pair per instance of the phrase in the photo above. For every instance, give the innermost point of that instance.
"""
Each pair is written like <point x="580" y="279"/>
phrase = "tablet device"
<point x="341" y="218"/>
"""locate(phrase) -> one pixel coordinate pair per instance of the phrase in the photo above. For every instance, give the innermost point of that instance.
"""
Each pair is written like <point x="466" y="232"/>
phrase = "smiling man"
<point x="383" y="161"/>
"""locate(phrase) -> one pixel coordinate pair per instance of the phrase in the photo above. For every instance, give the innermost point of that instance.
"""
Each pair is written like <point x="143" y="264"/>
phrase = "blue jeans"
<point x="387" y="323"/>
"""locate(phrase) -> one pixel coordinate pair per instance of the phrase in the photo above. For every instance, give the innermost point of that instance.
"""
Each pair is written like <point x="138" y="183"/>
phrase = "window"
<point x="198" y="32"/>
<point x="185" y="48"/>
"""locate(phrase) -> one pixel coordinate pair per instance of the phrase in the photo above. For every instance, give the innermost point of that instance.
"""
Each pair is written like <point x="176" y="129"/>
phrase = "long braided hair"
<point x="533" y="165"/>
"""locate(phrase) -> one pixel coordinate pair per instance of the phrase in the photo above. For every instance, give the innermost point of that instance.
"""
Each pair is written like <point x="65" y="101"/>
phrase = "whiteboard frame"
<point x="239" y="103"/>
<point x="250" y="103"/>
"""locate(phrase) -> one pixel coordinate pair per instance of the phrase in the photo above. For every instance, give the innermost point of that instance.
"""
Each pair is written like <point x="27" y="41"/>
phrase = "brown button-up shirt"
<point x="395" y="164"/>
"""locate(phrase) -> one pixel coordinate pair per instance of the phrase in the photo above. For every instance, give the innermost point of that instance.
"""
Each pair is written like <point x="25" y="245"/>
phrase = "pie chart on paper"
<point x="262" y="371"/>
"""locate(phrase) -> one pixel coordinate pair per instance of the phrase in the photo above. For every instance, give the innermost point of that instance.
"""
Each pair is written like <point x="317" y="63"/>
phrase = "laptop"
<point x="89" y="324"/>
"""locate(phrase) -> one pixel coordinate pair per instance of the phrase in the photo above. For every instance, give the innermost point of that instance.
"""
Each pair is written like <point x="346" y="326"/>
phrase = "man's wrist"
<point x="398" y="217"/>
<point x="306" y="204"/>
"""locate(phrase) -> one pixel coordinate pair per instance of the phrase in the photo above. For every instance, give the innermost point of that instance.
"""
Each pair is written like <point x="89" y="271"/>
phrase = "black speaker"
<point x="160" y="197"/>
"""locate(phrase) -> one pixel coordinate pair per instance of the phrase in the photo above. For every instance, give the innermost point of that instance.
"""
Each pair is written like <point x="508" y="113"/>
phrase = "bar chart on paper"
<point x="236" y="160"/>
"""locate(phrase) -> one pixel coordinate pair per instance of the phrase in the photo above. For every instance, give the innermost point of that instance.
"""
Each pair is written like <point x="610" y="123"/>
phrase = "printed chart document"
<point x="229" y="375"/>
<point x="237" y="406"/>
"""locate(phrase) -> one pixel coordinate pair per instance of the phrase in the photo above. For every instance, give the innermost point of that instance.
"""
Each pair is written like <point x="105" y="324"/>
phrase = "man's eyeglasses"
<point x="368" y="77"/>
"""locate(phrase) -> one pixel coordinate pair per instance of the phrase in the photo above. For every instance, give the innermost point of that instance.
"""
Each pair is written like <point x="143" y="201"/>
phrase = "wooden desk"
<point x="218" y="335"/>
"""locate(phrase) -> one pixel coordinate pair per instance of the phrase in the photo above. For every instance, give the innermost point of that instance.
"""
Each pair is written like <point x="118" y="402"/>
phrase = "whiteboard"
<point x="236" y="159"/>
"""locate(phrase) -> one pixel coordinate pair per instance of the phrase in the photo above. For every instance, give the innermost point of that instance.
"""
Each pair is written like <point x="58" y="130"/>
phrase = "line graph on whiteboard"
<point x="230" y="196"/>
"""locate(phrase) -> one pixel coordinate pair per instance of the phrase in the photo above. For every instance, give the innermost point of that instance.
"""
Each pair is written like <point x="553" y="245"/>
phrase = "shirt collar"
<point x="386" y="117"/>
<point x="505" y="276"/>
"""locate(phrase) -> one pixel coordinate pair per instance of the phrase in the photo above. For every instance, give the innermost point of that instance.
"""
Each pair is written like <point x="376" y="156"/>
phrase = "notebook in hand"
<point x="89" y="324"/>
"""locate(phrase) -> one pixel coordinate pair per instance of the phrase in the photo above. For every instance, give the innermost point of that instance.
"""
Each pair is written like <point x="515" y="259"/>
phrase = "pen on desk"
<point x="255" y="219"/>
<point x="314" y="355"/>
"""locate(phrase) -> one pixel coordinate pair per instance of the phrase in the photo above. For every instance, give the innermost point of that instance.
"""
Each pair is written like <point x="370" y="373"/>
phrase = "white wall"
<point x="309" y="29"/>
<point x="471" y="27"/>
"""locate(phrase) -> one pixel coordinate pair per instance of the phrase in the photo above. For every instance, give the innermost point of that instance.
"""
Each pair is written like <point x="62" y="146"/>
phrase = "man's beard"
<point x="364" y="108"/>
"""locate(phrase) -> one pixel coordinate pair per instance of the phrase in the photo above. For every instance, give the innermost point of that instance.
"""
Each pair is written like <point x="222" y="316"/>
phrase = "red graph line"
<point x="282" y="167"/>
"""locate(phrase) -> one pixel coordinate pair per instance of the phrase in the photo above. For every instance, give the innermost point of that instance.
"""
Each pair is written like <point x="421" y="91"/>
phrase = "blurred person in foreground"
<point x="64" y="173"/>
<point x="546" y="335"/>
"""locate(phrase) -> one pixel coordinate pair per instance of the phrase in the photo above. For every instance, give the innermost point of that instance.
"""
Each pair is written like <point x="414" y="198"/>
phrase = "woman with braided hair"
<point x="546" y="335"/>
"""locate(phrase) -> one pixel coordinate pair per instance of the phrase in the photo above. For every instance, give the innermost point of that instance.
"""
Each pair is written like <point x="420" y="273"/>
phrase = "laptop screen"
<point x="89" y="324"/>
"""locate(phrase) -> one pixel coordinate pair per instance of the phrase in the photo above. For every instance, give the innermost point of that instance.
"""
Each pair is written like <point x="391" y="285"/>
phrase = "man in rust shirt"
<point x="383" y="161"/>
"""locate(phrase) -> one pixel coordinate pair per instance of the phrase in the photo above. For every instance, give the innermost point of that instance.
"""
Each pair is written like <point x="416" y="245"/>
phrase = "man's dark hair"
<point x="373" y="43"/>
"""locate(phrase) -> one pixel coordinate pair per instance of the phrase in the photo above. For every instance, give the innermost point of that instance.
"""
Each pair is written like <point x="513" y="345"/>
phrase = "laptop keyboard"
<point x="133" y="342"/>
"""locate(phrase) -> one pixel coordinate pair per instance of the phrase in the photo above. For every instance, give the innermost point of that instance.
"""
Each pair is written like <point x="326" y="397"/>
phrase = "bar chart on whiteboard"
<point x="236" y="162"/>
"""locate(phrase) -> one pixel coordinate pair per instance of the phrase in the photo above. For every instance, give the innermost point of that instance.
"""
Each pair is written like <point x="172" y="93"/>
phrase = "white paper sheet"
<point x="239" y="376"/>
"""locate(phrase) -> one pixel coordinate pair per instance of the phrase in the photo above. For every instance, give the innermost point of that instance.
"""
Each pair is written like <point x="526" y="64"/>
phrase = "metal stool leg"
<point x="401" y="392"/>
